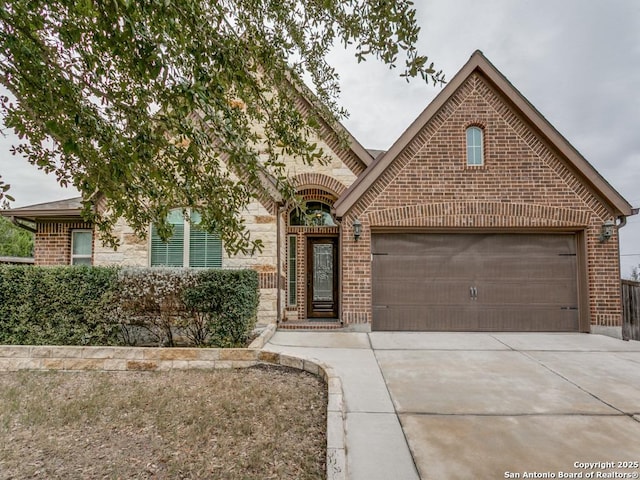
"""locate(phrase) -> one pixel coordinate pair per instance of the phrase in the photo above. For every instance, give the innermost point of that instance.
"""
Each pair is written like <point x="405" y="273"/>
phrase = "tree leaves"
<point x="138" y="100"/>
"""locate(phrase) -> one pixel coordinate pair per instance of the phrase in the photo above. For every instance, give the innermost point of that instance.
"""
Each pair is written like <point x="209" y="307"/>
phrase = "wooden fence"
<point x="630" y="310"/>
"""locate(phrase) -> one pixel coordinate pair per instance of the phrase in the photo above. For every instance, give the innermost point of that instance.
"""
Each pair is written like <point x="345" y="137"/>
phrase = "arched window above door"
<point x="312" y="214"/>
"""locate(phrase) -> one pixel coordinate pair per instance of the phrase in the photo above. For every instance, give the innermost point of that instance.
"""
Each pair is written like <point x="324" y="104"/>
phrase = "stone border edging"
<point x="264" y="336"/>
<point x="25" y="357"/>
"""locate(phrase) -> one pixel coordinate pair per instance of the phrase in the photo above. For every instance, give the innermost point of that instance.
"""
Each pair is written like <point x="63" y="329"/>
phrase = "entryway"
<point x="322" y="277"/>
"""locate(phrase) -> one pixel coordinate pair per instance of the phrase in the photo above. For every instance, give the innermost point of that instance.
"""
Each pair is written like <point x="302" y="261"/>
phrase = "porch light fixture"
<point x="357" y="229"/>
<point x="607" y="230"/>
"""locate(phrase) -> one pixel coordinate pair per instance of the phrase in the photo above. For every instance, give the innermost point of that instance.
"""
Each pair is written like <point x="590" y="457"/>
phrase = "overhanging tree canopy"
<point x="152" y="104"/>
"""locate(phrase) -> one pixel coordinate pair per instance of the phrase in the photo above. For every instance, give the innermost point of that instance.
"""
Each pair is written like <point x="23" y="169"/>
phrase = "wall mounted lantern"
<point x="357" y="229"/>
<point x="607" y="230"/>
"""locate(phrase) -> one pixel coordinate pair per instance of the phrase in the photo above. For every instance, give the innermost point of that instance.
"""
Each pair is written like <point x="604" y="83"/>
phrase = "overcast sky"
<point x="576" y="61"/>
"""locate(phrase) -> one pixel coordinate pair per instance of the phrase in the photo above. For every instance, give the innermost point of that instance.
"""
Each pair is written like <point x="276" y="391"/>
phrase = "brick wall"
<point x="53" y="242"/>
<point x="523" y="185"/>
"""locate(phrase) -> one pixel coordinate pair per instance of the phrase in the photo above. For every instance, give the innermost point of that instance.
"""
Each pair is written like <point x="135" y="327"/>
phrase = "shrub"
<point x="108" y="306"/>
<point x="55" y="305"/>
<point x="227" y="303"/>
<point x="151" y="299"/>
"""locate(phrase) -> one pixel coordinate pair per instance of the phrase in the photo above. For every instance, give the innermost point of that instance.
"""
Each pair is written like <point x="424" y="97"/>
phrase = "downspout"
<point x="279" y="209"/>
<point x="623" y="222"/>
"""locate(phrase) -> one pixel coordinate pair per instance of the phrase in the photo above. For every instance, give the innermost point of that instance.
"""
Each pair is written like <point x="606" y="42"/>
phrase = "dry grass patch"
<point x="256" y="423"/>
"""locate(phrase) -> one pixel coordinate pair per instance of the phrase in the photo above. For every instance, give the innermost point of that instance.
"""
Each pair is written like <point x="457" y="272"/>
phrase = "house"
<point x="480" y="217"/>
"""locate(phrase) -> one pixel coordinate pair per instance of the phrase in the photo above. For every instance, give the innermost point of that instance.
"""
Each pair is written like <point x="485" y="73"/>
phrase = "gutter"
<point x="17" y="222"/>
<point x="623" y="218"/>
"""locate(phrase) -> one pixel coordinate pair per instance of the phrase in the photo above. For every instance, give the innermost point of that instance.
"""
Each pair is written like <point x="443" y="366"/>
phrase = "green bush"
<point x="109" y="306"/>
<point x="55" y="305"/>
<point x="227" y="303"/>
<point x="150" y="299"/>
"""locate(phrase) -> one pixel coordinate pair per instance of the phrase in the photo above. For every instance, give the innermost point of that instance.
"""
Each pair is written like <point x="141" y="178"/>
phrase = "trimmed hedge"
<point x="227" y="301"/>
<point x="55" y="305"/>
<point x="109" y="306"/>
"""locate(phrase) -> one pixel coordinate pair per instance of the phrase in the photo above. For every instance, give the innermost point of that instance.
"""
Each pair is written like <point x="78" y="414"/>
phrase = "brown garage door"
<point x="474" y="282"/>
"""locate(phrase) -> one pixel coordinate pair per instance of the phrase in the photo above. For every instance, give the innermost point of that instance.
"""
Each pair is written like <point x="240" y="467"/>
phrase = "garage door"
<point x="474" y="282"/>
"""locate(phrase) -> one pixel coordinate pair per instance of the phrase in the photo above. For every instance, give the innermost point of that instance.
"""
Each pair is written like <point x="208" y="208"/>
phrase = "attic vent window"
<point x="475" y="149"/>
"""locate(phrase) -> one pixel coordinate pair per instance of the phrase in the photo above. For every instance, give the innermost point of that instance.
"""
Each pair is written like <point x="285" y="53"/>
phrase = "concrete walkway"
<point x="474" y="405"/>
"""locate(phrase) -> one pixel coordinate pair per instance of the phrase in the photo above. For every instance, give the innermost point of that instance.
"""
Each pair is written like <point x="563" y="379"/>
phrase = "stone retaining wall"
<point x="14" y="358"/>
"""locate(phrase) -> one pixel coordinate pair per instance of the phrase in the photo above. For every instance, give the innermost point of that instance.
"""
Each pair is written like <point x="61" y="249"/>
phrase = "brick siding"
<point x="53" y="242"/>
<point x="523" y="184"/>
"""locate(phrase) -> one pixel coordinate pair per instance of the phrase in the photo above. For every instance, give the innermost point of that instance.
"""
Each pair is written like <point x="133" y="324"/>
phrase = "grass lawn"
<point x="257" y="423"/>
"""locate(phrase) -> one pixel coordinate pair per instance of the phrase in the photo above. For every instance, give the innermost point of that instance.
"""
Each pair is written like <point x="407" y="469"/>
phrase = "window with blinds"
<point x="189" y="246"/>
<point x="205" y="249"/>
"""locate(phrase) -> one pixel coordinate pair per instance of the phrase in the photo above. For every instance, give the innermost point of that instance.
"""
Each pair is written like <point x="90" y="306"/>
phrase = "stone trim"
<point x="479" y="214"/>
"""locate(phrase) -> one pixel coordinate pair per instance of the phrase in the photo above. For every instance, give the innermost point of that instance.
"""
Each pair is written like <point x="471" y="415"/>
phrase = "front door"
<point x="322" y="277"/>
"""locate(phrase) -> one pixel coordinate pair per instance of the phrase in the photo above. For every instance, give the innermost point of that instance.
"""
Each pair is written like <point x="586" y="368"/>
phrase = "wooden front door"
<point x="322" y="277"/>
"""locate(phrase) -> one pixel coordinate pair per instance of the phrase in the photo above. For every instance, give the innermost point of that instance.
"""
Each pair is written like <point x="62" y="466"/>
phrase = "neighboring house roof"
<point x="478" y="62"/>
<point x="68" y="208"/>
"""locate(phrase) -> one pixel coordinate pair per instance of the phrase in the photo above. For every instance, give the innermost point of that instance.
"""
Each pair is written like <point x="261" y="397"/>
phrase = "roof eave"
<point x="356" y="147"/>
<point x="33" y="215"/>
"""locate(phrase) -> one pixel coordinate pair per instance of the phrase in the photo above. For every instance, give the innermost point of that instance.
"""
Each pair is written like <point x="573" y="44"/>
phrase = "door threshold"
<point x="311" y="324"/>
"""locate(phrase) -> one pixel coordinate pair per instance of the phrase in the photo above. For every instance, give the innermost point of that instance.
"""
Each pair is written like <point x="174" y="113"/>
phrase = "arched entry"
<point x="312" y="258"/>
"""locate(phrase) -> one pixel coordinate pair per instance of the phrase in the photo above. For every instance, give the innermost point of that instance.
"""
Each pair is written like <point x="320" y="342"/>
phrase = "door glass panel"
<point x="322" y="272"/>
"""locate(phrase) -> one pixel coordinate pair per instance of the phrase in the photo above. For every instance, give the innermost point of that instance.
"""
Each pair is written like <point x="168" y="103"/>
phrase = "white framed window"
<point x="475" y="146"/>
<point x="81" y="247"/>
<point x="189" y="246"/>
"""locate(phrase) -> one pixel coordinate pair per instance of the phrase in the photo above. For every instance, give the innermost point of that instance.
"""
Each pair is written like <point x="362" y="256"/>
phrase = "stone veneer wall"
<point x="523" y="185"/>
<point x="132" y="252"/>
<point x="336" y="174"/>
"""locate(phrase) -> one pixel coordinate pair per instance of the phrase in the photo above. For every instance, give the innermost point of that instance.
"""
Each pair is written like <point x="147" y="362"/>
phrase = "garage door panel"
<point x="403" y="266"/>
<point x="472" y="244"/>
<point x="522" y="282"/>
<point x="418" y="244"/>
<point x="533" y="319"/>
<point x="432" y="292"/>
<point x="552" y="293"/>
<point x="534" y="267"/>
<point x="431" y="318"/>
<point x="490" y="319"/>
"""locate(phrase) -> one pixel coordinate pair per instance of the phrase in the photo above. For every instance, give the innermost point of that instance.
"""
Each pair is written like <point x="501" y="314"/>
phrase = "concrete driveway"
<point x="474" y="405"/>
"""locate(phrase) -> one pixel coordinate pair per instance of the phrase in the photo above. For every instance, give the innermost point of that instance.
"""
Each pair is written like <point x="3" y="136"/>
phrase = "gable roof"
<point x="478" y="62"/>
<point x="330" y="126"/>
